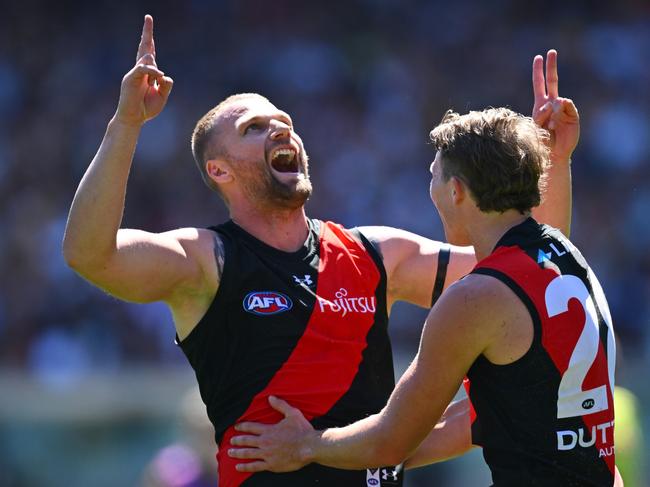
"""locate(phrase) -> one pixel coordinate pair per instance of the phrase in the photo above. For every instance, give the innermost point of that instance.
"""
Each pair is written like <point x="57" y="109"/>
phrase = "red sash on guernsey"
<point x="325" y="361"/>
<point x="560" y="335"/>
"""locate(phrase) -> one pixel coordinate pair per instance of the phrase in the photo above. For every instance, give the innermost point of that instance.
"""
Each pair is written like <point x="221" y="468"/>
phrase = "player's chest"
<point x="339" y="287"/>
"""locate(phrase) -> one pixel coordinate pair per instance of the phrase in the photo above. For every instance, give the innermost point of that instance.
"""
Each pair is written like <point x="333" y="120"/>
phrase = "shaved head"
<point x="205" y="141"/>
<point x="246" y="149"/>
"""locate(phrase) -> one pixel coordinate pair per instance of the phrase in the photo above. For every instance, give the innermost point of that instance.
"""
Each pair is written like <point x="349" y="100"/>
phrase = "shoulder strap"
<point x="441" y="274"/>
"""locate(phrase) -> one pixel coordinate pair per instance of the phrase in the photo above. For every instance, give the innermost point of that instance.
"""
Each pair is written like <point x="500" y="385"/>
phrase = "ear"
<point x="458" y="190"/>
<point x="219" y="171"/>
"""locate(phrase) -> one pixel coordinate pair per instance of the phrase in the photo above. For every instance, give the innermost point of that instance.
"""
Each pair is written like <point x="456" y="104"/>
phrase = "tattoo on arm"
<point x="219" y="254"/>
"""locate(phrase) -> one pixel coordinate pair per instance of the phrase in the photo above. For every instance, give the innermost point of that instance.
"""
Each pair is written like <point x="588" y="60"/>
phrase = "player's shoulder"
<point x="382" y="233"/>
<point x="204" y="246"/>
<point x="186" y="233"/>
<point x="471" y="308"/>
<point x="396" y="245"/>
<point x="397" y="242"/>
<point x="192" y="234"/>
<point x="478" y="295"/>
<point x="398" y="238"/>
<point x="199" y="243"/>
<point x="468" y="308"/>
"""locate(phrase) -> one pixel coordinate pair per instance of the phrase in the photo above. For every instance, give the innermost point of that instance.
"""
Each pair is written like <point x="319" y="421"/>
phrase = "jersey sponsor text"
<point x="344" y="304"/>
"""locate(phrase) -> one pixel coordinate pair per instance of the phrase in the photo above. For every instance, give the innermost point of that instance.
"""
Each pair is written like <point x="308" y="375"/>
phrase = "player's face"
<point x="267" y="157"/>
<point x="441" y="192"/>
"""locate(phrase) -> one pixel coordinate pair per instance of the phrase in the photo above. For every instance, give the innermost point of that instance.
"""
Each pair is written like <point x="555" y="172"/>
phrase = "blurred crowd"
<point x="365" y="81"/>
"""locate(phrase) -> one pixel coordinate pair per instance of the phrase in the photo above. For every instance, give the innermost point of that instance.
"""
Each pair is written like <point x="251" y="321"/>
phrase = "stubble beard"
<point x="269" y="192"/>
<point x="290" y="197"/>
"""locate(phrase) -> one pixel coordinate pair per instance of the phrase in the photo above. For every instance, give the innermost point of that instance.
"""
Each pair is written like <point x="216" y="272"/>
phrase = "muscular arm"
<point x="411" y="263"/>
<point x="132" y="264"/>
<point x="560" y="117"/>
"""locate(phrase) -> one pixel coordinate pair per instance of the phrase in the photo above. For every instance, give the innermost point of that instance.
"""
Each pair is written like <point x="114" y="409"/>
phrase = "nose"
<point x="279" y="130"/>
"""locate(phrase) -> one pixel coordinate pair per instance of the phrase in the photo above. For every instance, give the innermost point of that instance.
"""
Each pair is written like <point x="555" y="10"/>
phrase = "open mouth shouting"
<point x="284" y="159"/>
<point x="288" y="169"/>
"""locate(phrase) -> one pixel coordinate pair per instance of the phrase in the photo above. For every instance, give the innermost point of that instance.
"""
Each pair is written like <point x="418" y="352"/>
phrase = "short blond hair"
<point x="501" y="155"/>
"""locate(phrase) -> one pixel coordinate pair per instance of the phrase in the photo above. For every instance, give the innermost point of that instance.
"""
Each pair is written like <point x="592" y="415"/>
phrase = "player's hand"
<point x="145" y="89"/>
<point x="280" y="447"/>
<point x="556" y="114"/>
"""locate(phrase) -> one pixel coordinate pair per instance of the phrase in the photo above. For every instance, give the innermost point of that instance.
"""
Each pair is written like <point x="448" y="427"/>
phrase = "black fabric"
<point x="441" y="274"/>
<point x="319" y="476"/>
<point x="516" y="404"/>
<point x="222" y="349"/>
<point x="235" y="358"/>
<point x="369" y="387"/>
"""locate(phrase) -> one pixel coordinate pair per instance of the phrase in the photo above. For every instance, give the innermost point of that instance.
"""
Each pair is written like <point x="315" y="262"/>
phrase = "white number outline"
<point x="571" y="398"/>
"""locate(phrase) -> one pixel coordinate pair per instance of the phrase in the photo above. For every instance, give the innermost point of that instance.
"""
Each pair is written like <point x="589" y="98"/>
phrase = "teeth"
<point x="284" y="152"/>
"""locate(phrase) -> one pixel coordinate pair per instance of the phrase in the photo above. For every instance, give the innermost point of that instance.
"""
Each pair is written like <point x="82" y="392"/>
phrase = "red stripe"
<point x="325" y="361"/>
<point x="559" y="333"/>
<point x="472" y="412"/>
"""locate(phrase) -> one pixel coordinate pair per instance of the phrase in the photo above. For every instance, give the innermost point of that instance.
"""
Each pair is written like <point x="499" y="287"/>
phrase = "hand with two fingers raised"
<point x="556" y="114"/>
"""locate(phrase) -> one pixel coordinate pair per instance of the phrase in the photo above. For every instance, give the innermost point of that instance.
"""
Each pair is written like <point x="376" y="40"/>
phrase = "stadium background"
<point x="90" y="387"/>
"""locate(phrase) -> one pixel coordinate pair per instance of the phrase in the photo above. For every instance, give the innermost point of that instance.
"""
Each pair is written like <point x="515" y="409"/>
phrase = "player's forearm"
<point x="394" y="434"/>
<point x="96" y="212"/>
<point x="365" y="444"/>
<point x="556" y="206"/>
<point x="450" y="438"/>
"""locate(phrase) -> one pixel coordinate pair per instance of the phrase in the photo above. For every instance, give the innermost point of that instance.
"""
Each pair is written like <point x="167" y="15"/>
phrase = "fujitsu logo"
<point x="342" y="303"/>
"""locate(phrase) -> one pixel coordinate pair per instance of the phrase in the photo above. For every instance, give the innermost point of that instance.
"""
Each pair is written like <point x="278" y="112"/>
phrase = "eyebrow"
<point x="247" y="121"/>
<point x="278" y="115"/>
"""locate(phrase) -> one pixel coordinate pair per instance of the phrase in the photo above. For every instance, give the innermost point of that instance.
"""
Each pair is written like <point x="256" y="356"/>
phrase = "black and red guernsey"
<point x="309" y="327"/>
<point x="547" y="419"/>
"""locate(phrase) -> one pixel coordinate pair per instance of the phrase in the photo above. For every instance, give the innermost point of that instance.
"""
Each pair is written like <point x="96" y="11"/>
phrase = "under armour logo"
<point x="389" y="474"/>
<point x="306" y="280"/>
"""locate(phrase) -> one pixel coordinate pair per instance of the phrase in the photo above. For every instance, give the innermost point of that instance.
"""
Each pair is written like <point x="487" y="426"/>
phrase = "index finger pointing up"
<point x="551" y="74"/>
<point x="146" y="41"/>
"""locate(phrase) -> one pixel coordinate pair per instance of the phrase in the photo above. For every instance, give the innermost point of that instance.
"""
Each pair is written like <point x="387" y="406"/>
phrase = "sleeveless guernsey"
<point x="309" y="327"/>
<point x="547" y="419"/>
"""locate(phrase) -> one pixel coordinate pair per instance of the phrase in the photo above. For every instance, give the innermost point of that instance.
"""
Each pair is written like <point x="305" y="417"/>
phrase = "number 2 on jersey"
<point x="572" y="400"/>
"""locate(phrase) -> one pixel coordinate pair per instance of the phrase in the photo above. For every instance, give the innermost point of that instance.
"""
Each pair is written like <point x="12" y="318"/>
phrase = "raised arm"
<point x="412" y="262"/>
<point x="560" y="117"/>
<point x="131" y="264"/>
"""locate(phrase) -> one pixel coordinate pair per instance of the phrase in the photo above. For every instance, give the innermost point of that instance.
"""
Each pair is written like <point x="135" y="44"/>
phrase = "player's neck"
<point x="488" y="229"/>
<point x="284" y="230"/>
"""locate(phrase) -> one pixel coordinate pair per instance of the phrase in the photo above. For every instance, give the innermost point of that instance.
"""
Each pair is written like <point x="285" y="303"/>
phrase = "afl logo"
<point x="266" y="303"/>
<point x="588" y="404"/>
<point x="373" y="482"/>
